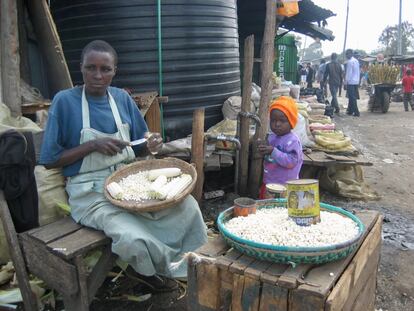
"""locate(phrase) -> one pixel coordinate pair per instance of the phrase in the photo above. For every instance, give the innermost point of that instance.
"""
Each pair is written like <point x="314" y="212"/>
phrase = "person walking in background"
<point x="352" y="83"/>
<point x="408" y="83"/>
<point x="342" y="79"/>
<point x="303" y="73"/>
<point x="320" y="77"/>
<point x="333" y="73"/>
<point x="309" y="76"/>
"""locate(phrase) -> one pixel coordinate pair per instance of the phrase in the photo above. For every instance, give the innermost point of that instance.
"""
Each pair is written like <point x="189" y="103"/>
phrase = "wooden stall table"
<point x="221" y="278"/>
<point x="315" y="162"/>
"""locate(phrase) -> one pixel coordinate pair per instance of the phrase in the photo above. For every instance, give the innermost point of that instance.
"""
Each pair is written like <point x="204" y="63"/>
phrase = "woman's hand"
<point x="154" y="142"/>
<point x="109" y="146"/>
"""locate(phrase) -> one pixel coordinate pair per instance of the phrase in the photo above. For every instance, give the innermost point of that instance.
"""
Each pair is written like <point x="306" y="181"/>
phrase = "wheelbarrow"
<point x="380" y="97"/>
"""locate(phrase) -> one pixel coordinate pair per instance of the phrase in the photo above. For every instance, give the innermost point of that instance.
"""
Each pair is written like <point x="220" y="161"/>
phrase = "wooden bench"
<point x="227" y="279"/>
<point x="316" y="162"/>
<point x="55" y="253"/>
<point x="322" y="159"/>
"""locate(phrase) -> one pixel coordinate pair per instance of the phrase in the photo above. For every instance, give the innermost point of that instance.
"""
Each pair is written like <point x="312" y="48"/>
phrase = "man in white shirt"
<point x="352" y="82"/>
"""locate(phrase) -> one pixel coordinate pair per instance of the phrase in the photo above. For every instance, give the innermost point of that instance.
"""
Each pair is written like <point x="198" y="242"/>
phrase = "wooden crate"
<point x="224" y="279"/>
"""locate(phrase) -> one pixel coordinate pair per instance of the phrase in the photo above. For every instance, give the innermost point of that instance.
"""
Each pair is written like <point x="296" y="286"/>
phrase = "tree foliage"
<point x="389" y="38"/>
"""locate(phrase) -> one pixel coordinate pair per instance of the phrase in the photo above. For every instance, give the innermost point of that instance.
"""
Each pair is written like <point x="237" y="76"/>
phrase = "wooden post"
<point x="197" y="151"/>
<point x="10" y="60"/>
<point x="267" y="53"/>
<point x="24" y="48"/>
<point x="29" y="300"/>
<point x="245" y="107"/>
<point x="49" y="41"/>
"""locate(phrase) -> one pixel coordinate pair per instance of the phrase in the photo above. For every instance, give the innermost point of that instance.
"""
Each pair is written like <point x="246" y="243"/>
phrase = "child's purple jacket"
<point x="285" y="162"/>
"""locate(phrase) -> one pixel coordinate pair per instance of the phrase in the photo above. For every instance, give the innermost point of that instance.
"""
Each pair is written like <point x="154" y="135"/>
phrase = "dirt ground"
<point x="387" y="140"/>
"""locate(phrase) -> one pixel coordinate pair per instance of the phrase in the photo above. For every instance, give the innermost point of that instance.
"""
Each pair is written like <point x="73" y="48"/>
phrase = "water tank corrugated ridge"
<point x="199" y="41"/>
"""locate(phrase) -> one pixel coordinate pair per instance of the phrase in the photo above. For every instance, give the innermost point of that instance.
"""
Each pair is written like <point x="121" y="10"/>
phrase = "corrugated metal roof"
<point x="304" y="22"/>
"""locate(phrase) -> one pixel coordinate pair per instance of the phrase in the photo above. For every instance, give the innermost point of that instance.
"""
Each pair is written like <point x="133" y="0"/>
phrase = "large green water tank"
<point x="286" y="62"/>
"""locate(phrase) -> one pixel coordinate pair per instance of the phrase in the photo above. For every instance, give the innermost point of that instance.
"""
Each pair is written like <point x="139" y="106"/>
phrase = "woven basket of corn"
<point x="290" y="254"/>
<point x="153" y="204"/>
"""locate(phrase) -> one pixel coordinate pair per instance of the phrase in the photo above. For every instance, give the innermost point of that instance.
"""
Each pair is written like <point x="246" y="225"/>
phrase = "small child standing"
<point x="283" y="151"/>
<point x="408" y="83"/>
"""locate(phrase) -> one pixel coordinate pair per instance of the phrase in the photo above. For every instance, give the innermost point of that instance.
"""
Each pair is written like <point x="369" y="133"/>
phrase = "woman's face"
<point x="98" y="68"/>
<point x="279" y="123"/>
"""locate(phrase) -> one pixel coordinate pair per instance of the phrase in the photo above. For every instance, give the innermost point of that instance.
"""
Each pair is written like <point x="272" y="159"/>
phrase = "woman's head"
<point x="283" y="115"/>
<point x="98" y="67"/>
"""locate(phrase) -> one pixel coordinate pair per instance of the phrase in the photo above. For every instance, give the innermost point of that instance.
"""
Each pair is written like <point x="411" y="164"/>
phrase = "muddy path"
<point x="387" y="140"/>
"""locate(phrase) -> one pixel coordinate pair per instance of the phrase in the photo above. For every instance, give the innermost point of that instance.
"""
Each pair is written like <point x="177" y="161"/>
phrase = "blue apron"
<point x="150" y="242"/>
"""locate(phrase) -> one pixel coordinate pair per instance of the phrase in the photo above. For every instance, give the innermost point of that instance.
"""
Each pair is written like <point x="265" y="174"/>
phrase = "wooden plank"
<point x="16" y="254"/>
<point x="153" y="117"/>
<point x="83" y="295"/>
<point x="57" y="273"/>
<point x="10" y="60"/>
<point x="197" y="151"/>
<point x="241" y="264"/>
<point x="272" y="274"/>
<point x="100" y="271"/>
<point x="306" y="159"/>
<point x="213" y="248"/>
<point x="224" y="262"/>
<point x="339" y="158"/>
<point x="322" y="278"/>
<point x="245" y="107"/>
<point x="251" y="294"/>
<point x="78" y="242"/>
<point x="305" y="302"/>
<point x="212" y="163"/>
<point x="144" y="100"/>
<point x="192" y="284"/>
<point x="55" y="230"/>
<point x="360" y="160"/>
<point x="226" y="290"/>
<point x="49" y="42"/>
<point x="226" y="160"/>
<point x="319" y="159"/>
<point x="291" y="277"/>
<point x="268" y="55"/>
<point x="33" y="108"/>
<point x="362" y="267"/>
<point x="256" y="268"/>
<point x="366" y="299"/>
<point x="208" y="285"/>
<point x="23" y="46"/>
<point x="273" y="298"/>
<point x="238" y="286"/>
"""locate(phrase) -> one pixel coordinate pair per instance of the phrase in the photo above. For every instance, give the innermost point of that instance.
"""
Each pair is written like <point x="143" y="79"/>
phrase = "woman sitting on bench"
<point x="87" y="135"/>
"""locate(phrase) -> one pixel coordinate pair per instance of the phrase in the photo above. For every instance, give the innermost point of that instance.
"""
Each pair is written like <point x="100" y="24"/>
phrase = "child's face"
<point x="279" y="123"/>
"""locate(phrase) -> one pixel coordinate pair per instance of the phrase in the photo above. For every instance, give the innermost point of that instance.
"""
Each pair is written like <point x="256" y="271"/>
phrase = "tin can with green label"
<point x="303" y="201"/>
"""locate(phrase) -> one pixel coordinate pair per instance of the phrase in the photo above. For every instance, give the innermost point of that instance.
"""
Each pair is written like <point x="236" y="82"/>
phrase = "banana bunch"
<point x="320" y="119"/>
<point x="382" y="73"/>
<point x="329" y="134"/>
<point x="333" y="143"/>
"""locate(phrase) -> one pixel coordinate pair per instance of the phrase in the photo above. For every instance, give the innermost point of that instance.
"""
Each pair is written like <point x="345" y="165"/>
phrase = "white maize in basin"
<point x="136" y="187"/>
<point x="273" y="226"/>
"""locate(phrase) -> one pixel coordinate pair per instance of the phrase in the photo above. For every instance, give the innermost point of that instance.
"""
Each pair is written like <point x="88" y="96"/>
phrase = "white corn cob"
<point x="158" y="183"/>
<point x="167" y="172"/>
<point x="115" y="190"/>
<point x="172" y="188"/>
<point x="185" y="180"/>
